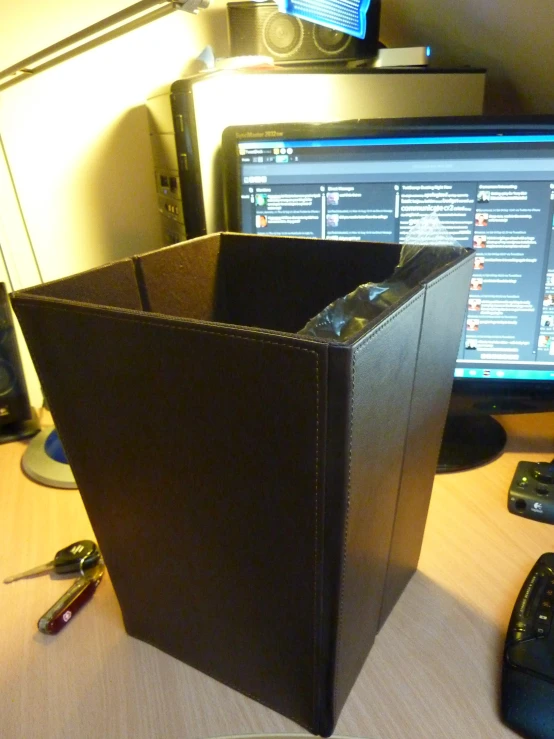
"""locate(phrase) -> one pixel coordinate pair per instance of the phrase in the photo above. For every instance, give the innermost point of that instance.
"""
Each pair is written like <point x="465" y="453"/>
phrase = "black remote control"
<point x="528" y="662"/>
<point x="532" y="491"/>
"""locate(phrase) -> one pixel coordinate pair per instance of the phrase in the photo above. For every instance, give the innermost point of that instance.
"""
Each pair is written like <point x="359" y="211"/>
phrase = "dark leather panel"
<point x="271" y="284"/>
<point x="181" y="280"/>
<point x="443" y="316"/>
<point x="112" y="285"/>
<point x="382" y="372"/>
<point x="204" y="449"/>
<point x="249" y="280"/>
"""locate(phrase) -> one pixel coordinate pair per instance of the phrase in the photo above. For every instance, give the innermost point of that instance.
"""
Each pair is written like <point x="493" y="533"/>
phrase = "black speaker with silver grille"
<point x="260" y="29"/>
<point x="17" y="420"/>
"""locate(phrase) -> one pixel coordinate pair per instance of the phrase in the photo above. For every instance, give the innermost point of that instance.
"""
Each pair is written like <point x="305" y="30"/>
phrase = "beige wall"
<point x="77" y="144"/>
<point x="34" y="25"/>
<point x="514" y="40"/>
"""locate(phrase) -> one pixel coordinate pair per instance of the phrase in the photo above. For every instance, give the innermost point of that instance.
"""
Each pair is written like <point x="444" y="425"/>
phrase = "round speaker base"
<point x="40" y="467"/>
<point x="20" y="429"/>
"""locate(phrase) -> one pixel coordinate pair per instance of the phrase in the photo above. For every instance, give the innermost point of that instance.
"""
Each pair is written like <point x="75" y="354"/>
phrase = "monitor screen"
<point x="479" y="182"/>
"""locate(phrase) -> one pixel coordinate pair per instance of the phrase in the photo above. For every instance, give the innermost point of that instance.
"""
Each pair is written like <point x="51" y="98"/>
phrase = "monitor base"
<point x="470" y="441"/>
<point x="42" y="462"/>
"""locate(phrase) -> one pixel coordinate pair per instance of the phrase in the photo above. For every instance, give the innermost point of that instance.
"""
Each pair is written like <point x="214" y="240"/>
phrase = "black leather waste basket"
<point x="274" y="486"/>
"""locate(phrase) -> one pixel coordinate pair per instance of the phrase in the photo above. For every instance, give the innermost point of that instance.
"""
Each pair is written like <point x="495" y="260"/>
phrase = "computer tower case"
<point x="187" y="117"/>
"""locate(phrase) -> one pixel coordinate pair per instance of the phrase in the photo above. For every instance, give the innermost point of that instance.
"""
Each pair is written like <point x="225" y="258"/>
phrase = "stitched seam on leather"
<point x="163" y="323"/>
<point x="420" y="334"/>
<point x="182" y="327"/>
<point x="448" y="273"/>
<point x="356" y="351"/>
<point x="316" y="612"/>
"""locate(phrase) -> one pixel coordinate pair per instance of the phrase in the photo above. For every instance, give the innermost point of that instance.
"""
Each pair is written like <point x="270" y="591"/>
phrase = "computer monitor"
<point x="489" y="182"/>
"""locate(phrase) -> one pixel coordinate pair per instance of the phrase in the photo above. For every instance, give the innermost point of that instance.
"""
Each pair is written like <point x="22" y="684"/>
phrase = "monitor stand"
<point x="44" y="461"/>
<point x="470" y="441"/>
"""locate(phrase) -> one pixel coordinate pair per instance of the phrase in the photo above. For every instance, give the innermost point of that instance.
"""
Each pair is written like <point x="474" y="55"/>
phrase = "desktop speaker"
<point x="260" y="29"/>
<point x="16" y="415"/>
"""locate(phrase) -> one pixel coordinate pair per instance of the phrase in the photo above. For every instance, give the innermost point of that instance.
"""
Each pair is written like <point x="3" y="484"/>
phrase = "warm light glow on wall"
<point x="76" y="139"/>
<point x="77" y="146"/>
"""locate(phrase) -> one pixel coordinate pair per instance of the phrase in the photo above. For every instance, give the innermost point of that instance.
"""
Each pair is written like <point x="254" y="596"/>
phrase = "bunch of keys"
<point x="83" y="557"/>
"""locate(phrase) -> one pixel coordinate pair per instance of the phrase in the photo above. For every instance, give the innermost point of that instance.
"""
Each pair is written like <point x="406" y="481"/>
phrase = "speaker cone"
<point x="282" y="34"/>
<point x="330" y="41"/>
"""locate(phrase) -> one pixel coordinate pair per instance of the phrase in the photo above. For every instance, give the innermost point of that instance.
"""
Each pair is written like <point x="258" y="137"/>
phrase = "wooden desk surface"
<point x="433" y="673"/>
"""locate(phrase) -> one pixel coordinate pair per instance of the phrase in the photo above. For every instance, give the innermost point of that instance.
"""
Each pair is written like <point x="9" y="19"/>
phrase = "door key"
<point x="77" y="557"/>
